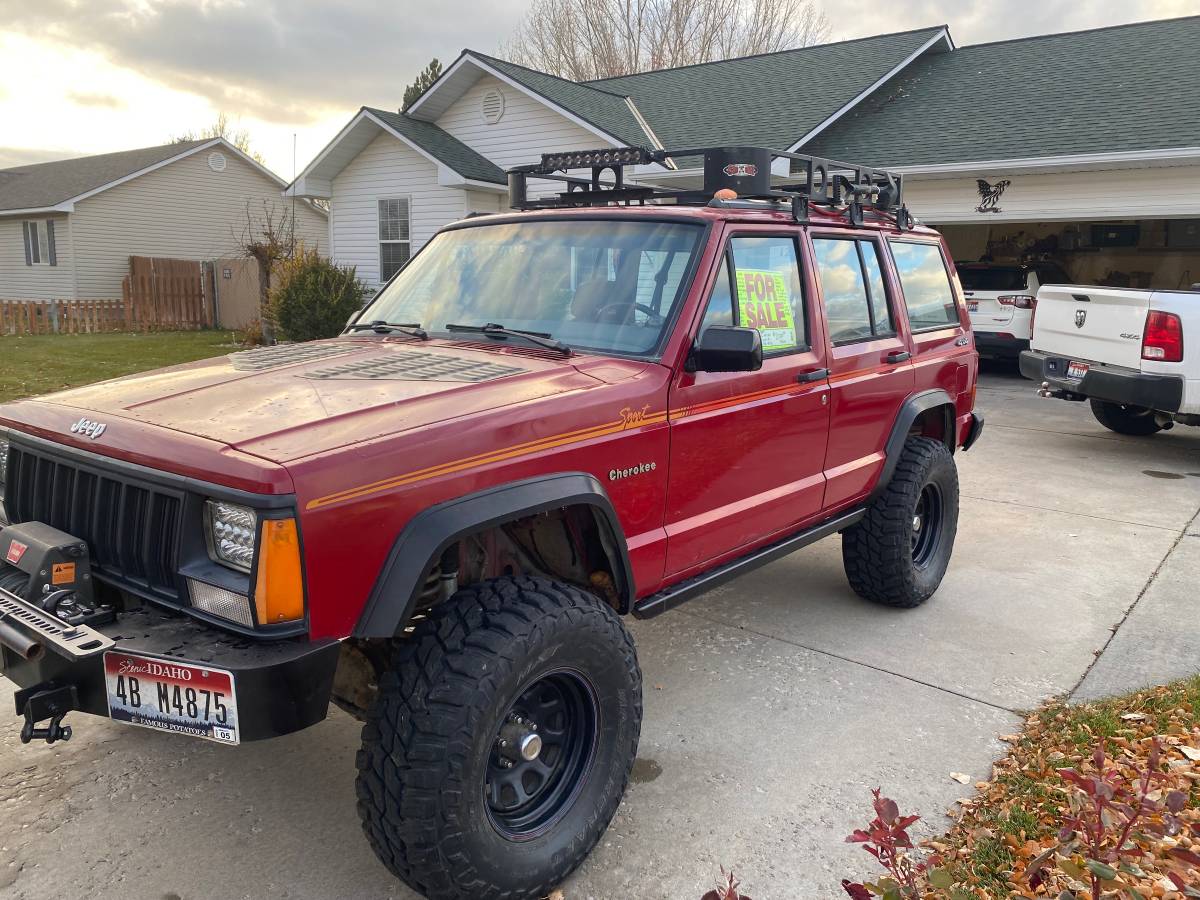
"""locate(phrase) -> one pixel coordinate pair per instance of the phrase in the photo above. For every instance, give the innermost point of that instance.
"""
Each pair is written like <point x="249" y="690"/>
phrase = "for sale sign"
<point x="765" y="303"/>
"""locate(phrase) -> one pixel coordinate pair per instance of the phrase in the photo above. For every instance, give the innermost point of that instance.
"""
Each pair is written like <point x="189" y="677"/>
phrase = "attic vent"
<point x="216" y="161"/>
<point x="492" y="106"/>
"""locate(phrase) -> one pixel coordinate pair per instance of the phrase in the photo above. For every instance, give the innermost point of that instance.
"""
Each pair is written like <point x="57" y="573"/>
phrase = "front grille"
<point x="131" y="527"/>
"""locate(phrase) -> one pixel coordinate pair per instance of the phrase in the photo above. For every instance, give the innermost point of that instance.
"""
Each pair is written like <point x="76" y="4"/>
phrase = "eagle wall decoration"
<point x="990" y="195"/>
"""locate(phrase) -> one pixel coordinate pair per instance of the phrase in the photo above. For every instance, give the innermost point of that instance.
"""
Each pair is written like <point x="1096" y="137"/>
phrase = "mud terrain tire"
<point x="898" y="554"/>
<point x="432" y="790"/>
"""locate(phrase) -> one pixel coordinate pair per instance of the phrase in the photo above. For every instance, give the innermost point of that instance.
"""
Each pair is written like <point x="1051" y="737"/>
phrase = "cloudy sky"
<point x="91" y="76"/>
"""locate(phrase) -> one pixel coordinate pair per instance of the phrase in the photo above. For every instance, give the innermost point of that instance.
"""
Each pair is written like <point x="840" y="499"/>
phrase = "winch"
<point x="53" y="571"/>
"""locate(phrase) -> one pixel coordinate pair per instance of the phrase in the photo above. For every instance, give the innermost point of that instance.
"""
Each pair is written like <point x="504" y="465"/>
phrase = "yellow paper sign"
<point x="765" y="303"/>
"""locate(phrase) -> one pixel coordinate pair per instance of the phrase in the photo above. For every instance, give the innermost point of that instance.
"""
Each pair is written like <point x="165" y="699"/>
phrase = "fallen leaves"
<point x="1006" y="840"/>
<point x="960" y="777"/>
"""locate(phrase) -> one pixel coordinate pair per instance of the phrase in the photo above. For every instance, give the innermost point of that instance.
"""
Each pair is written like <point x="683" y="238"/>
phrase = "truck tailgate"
<point x="1091" y="323"/>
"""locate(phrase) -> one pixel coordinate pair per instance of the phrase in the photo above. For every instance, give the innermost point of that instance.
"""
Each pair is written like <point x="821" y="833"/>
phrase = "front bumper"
<point x="282" y="686"/>
<point x="1115" y="384"/>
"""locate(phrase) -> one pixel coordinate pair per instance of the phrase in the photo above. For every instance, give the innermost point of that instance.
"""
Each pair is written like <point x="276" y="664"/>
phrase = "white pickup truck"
<point x="1135" y="354"/>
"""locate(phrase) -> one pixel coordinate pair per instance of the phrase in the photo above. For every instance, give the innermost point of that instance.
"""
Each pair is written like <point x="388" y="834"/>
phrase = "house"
<point x="68" y="228"/>
<point x="1084" y="146"/>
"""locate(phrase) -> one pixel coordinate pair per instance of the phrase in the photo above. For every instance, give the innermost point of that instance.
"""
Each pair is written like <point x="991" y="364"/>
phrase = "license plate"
<point x="972" y="306"/>
<point x="1076" y="369"/>
<point x="171" y="696"/>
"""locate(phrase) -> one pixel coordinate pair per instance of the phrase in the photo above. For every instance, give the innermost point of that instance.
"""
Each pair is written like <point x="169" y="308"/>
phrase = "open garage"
<point x="1136" y="228"/>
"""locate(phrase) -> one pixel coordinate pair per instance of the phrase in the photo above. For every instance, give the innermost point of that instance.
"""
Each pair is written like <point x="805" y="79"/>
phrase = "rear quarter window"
<point x="926" y="285"/>
<point x="992" y="278"/>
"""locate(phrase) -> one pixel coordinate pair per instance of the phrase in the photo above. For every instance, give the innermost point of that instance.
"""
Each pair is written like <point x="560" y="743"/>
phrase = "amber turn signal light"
<point x="279" y="590"/>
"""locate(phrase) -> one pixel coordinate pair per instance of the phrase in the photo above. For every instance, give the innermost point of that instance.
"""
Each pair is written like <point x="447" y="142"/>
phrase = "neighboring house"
<point x="68" y="228"/>
<point x="1071" y="122"/>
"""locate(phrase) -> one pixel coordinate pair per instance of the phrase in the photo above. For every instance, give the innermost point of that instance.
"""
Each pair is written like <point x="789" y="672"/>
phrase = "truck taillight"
<point x="1162" y="339"/>
<point x="1018" y="301"/>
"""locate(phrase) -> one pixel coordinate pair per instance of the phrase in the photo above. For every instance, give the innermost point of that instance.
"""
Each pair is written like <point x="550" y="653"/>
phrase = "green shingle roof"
<point x="1126" y="88"/>
<point x="443" y="146"/>
<point x="769" y="100"/>
<point x="603" y="107"/>
<point x="47" y="184"/>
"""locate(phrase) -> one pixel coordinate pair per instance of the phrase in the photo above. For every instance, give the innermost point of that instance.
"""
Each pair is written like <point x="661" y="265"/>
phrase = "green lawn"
<point x="38" y="364"/>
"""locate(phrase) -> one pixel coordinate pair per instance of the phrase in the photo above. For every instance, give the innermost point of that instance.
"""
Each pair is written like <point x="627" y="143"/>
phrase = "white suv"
<point x="1000" y="298"/>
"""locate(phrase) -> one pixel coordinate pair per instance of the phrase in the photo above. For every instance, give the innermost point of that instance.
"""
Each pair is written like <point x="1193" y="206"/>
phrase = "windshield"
<point x="992" y="278"/>
<point x="602" y="284"/>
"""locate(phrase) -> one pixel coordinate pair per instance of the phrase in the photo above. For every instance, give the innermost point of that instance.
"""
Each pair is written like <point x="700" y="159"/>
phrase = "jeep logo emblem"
<point x="1080" y="317"/>
<point x="88" y="428"/>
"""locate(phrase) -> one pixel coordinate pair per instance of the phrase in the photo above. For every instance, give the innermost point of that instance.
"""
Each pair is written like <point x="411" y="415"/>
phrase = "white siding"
<point x="527" y="129"/>
<point x="21" y="282"/>
<point x="387" y="168"/>
<point x="485" y="202"/>
<point x="184" y="211"/>
<point x="1118" y="194"/>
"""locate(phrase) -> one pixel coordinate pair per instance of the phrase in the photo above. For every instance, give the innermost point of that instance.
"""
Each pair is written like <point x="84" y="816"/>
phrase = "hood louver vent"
<point x="286" y="355"/>
<point x="415" y="366"/>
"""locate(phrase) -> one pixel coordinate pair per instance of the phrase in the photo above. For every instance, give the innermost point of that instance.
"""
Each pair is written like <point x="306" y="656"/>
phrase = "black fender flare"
<point x="913" y="407"/>
<point x="390" y="604"/>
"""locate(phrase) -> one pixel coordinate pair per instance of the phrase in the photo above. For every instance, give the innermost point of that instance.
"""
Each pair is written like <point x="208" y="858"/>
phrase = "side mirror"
<point x="726" y="348"/>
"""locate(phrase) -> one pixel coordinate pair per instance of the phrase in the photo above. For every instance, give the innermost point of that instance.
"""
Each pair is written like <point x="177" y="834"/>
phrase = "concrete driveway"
<point x="772" y="705"/>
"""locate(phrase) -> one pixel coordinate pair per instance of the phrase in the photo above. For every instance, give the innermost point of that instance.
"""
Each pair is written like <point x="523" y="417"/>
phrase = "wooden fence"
<point x="61" y="316"/>
<point x="157" y="295"/>
<point x="167" y="294"/>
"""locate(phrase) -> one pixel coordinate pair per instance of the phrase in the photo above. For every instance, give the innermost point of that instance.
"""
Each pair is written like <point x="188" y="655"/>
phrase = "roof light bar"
<point x="605" y="156"/>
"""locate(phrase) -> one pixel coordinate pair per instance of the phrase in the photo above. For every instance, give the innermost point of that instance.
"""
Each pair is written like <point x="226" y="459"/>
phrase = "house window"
<point x="395" y="242"/>
<point x="39" y="243"/>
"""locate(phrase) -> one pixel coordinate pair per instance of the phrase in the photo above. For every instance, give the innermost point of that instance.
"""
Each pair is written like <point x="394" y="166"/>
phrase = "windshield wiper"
<point x="491" y="329"/>
<point x="412" y="329"/>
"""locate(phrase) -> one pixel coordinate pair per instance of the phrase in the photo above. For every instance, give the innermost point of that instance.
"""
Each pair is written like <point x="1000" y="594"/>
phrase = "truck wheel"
<point x="1135" y="420"/>
<point x="898" y="554"/>
<point x="501" y="741"/>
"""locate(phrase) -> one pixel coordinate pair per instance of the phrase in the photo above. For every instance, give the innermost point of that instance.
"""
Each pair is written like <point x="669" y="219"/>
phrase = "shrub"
<point x="251" y="335"/>
<point x="311" y="296"/>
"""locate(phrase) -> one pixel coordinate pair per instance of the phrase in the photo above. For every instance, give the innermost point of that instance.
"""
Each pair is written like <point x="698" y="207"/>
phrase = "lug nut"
<point x="503" y="742"/>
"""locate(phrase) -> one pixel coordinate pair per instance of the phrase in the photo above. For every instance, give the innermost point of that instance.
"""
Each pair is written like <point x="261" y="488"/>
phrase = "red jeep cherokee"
<point x="602" y="404"/>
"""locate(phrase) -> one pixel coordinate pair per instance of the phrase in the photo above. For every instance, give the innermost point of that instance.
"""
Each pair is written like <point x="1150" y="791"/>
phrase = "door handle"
<point x="814" y="375"/>
<point x="897" y="356"/>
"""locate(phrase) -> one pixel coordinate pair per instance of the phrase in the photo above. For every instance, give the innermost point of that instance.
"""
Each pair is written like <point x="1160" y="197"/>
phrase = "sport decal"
<point x="765" y="303"/>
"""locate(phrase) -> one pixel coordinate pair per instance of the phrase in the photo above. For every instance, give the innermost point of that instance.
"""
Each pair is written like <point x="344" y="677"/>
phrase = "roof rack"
<point x="744" y="171"/>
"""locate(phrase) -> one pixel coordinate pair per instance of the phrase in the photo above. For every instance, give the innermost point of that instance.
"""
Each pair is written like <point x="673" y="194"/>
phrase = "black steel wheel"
<point x="501" y="740"/>
<point x="927" y="525"/>
<point x="542" y="754"/>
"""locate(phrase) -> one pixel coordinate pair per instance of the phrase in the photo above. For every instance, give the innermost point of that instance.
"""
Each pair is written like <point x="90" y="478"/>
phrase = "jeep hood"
<point x="286" y="402"/>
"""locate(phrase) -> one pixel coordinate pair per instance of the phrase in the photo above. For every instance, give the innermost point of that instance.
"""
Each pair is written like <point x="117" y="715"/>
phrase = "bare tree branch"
<point x="587" y="39"/>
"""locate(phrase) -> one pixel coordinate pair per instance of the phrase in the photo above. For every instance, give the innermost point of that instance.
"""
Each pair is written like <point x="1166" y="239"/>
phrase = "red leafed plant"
<point x="1103" y="815"/>
<point x="886" y="838"/>
<point x="727" y="888"/>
